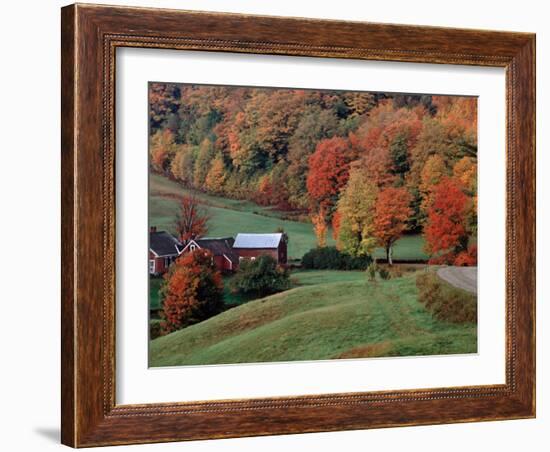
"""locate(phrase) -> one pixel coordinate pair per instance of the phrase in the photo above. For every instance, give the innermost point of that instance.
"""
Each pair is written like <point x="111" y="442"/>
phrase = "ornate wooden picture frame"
<point x="90" y="37"/>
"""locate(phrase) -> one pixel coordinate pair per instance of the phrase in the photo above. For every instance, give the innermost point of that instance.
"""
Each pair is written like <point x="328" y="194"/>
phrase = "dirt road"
<point x="462" y="277"/>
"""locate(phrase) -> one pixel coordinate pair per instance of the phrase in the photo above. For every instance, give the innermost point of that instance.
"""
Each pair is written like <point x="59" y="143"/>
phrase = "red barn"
<point x="251" y="246"/>
<point x="164" y="249"/>
<point x="225" y="257"/>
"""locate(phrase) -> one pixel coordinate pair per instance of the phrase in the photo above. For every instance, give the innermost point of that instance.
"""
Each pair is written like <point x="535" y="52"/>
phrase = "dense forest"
<point x="365" y="167"/>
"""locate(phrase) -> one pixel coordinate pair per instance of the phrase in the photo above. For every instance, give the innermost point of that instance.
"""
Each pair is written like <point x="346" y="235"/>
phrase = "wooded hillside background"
<point x="351" y="163"/>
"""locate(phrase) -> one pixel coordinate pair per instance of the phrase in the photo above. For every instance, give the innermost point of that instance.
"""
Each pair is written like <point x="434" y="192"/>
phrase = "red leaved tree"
<point x="467" y="258"/>
<point x="192" y="291"/>
<point x="445" y="230"/>
<point x="192" y="219"/>
<point x="392" y="213"/>
<point x="328" y="173"/>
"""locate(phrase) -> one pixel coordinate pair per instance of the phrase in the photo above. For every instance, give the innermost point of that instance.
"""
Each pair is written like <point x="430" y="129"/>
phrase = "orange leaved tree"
<point x="192" y="291"/>
<point x="320" y="227"/>
<point x="192" y="219"/>
<point x="445" y="230"/>
<point x="392" y="213"/>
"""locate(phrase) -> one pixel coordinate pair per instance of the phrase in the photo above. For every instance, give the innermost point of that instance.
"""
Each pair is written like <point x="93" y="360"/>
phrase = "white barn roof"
<point x="258" y="240"/>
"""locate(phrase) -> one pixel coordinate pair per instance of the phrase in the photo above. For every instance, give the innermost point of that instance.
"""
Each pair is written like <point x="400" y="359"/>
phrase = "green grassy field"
<point x="315" y="277"/>
<point x="408" y="247"/>
<point x="331" y="315"/>
<point x="235" y="217"/>
<point x="229" y="217"/>
<point x="162" y="186"/>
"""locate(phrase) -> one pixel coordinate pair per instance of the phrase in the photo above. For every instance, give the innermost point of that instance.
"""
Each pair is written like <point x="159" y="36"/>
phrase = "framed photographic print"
<point x="278" y="225"/>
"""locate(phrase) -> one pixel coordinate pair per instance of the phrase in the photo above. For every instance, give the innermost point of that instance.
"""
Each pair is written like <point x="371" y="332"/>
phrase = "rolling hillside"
<point x="331" y="315"/>
<point x="230" y="217"/>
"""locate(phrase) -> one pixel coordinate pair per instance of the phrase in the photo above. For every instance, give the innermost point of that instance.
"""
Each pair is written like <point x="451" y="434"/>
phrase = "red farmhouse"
<point x="225" y="257"/>
<point x="164" y="249"/>
<point x="253" y="245"/>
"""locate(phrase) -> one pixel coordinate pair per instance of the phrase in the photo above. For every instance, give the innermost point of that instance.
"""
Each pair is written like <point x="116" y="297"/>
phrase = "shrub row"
<point x="445" y="302"/>
<point x="261" y="276"/>
<point x="330" y="258"/>
<point x="155" y="329"/>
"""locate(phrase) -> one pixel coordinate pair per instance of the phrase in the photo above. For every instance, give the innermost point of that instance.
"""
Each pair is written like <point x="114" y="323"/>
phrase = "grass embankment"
<point x="331" y="315"/>
<point x="444" y="301"/>
<point x="230" y="216"/>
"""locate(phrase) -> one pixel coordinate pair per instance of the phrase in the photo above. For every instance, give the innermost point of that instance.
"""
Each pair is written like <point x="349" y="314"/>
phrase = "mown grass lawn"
<point x="332" y="315"/>
<point x="314" y="277"/>
<point x="408" y="248"/>
<point x="230" y="216"/>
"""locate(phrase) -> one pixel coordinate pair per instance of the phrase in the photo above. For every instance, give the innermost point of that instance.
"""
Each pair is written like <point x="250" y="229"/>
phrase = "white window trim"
<point x="230" y="262"/>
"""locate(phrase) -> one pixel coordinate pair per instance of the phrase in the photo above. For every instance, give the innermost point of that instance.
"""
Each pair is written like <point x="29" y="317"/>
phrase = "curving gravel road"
<point x="462" y="277"/>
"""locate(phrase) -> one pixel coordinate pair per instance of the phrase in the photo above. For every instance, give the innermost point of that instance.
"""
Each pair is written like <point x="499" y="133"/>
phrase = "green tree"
<point x="261" y="276"/>
<point x="205" y="155"/>
<point x="399" y="154"/>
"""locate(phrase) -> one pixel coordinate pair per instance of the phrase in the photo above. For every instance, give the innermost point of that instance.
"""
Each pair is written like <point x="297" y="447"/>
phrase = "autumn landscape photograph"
<point x="291" y="224"/>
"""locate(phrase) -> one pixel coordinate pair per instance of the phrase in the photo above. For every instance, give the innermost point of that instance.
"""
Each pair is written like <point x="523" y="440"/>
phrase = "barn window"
<point x="151" y="266"/>
<point x="192" y="247"/>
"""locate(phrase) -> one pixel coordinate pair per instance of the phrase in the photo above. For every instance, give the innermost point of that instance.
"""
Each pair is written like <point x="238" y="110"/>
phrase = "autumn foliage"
<point x="356" y="208"/>
<point x="295" y="150"/>
<point x="328" y="172"/>
<point x="320" y="228"/>
<point x="192" y="291"/>
<point x="392" y="212"/>
<point x="191" y="219"/>
<point x="467" y="258"/>
<point x="446" y="229"/>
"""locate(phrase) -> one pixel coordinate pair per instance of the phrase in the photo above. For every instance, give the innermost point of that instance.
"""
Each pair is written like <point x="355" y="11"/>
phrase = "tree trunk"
<point x="389" y="255"/>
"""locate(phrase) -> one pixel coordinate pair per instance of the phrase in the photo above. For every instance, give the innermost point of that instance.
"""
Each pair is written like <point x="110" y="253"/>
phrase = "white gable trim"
<point x="190" y="242"/>
<point x="166" y="255"/>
